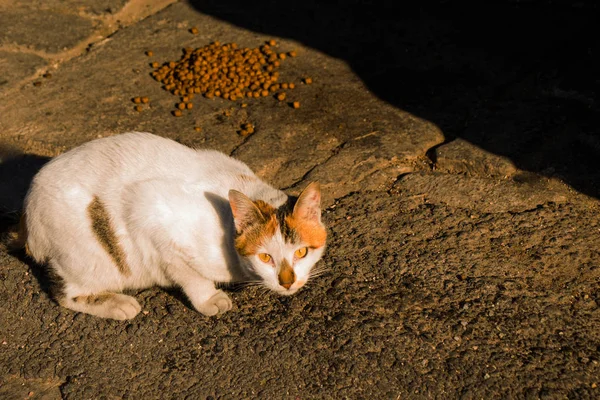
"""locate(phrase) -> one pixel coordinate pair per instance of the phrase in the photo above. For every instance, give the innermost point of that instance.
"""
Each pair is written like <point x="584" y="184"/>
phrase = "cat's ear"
<point x="308" y="205"/>
<point x="244" y="210"/>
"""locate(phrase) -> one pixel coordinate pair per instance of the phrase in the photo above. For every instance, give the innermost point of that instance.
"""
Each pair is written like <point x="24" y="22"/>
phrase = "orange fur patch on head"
<point x="258" y="231"/>
<point x="265" y="208"/>
<point x="286" y="276"/>
<point x="303" y="224"/>
<point x="309" y="231"/>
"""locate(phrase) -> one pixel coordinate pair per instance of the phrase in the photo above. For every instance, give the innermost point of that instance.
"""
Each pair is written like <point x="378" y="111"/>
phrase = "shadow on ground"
<point x="516" y="78"/>
<point x="16" y="173"/>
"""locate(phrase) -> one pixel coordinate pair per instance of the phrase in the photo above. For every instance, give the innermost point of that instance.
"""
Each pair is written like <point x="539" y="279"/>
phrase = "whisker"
<point x="318" y="272"/>
<point x="250" y="283"/>
<point x="264" y="290"/>
<point x="321" y="268"/>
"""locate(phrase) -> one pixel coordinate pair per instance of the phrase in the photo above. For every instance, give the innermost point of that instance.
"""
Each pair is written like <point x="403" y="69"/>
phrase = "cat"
<point x="137" y="210"/>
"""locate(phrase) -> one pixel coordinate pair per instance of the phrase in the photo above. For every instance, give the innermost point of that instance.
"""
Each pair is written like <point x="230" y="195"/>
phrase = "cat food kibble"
<point x="194" y="30"/>
<point x="137" y="100"/>
<point x="138" y="108"/>
<point x="149" y="53"/>
<point x="296" y="104"/>
<point x="145" y="100"/>
<point x="177" y="113"/>
<point x="308" y="81"/>
<point x="280" y="96"/>
<point x="222" y="70"/>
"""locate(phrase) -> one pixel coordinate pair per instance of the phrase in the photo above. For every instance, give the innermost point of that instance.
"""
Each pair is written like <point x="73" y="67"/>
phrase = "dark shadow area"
<point x="516" y="78"/>
<point x="16" y="172"/>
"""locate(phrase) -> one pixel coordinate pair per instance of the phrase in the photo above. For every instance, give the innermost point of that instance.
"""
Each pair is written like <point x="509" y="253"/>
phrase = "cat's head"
<point x="282" y="244"/>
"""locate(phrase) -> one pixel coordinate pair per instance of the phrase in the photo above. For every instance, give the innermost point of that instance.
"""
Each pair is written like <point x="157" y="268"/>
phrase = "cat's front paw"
<point x="217" y="304"/>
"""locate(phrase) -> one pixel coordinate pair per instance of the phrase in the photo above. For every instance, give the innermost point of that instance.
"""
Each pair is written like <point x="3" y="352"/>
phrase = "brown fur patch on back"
<point x="287" y="276"/>
<point x="105" y="234"/>
<point x="255" y="233"/>
<point x="93" y="298"/>
<point x="308" y="231"/>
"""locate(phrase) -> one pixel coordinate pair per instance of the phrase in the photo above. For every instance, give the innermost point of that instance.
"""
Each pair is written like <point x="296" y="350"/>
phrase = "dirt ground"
<point x="459" y="155"/>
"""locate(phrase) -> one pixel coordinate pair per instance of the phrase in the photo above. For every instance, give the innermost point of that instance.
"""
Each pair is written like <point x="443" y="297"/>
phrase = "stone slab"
<point x="460" y="156"/>
<point x="485" y="195"/>
<point x="339" y="122"/>
<point x="15" y="66"/>
<point x="15" y="387"/>
<point x="54" y="31"/>
<point x="97" y="7"/>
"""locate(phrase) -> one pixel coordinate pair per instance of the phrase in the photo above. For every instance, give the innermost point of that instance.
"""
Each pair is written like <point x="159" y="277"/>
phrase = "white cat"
<point x="136" y="210"/>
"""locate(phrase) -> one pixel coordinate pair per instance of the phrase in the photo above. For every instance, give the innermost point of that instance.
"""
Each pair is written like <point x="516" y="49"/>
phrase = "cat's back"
<point x="119" y="160"/>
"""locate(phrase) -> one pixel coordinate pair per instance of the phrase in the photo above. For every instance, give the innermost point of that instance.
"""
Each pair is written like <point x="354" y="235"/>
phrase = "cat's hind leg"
<point x="106" y="305"/>
<point x="88" y="299"/>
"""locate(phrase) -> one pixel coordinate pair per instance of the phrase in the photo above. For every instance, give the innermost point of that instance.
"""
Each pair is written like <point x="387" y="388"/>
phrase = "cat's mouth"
<point x="287" y="292"/>
<point x="292" y="289"/>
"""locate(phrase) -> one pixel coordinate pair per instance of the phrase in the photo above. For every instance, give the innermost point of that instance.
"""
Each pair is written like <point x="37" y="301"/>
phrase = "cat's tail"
<point x="15" y="238"/>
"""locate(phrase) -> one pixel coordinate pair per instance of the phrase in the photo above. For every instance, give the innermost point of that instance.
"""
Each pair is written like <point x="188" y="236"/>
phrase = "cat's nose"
<point x="286" y="285"/>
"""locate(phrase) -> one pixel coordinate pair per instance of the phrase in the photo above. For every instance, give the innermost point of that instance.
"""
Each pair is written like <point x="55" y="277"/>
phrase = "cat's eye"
<point x="264" y="257"/>
<point x="301" y="252"/>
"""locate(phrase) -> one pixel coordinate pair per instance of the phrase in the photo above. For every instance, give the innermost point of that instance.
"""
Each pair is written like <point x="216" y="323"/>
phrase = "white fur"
<point x="168" y="206"/>
<point x="279" y="250"/>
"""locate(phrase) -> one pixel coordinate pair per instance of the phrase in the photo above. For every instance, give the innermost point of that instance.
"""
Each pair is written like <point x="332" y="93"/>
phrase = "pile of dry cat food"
<point x="226" y="71"/>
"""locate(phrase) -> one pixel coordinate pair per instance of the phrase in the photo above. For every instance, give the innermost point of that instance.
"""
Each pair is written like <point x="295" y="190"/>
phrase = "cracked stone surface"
<point x="460" y="156"/>
<point x="15" y="66"/>
<point x="46" y="37"/>
<point x="462" y="260"/>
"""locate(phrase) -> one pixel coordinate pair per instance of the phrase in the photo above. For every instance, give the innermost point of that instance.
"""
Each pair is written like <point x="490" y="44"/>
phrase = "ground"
<point x="456" y="149"/>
